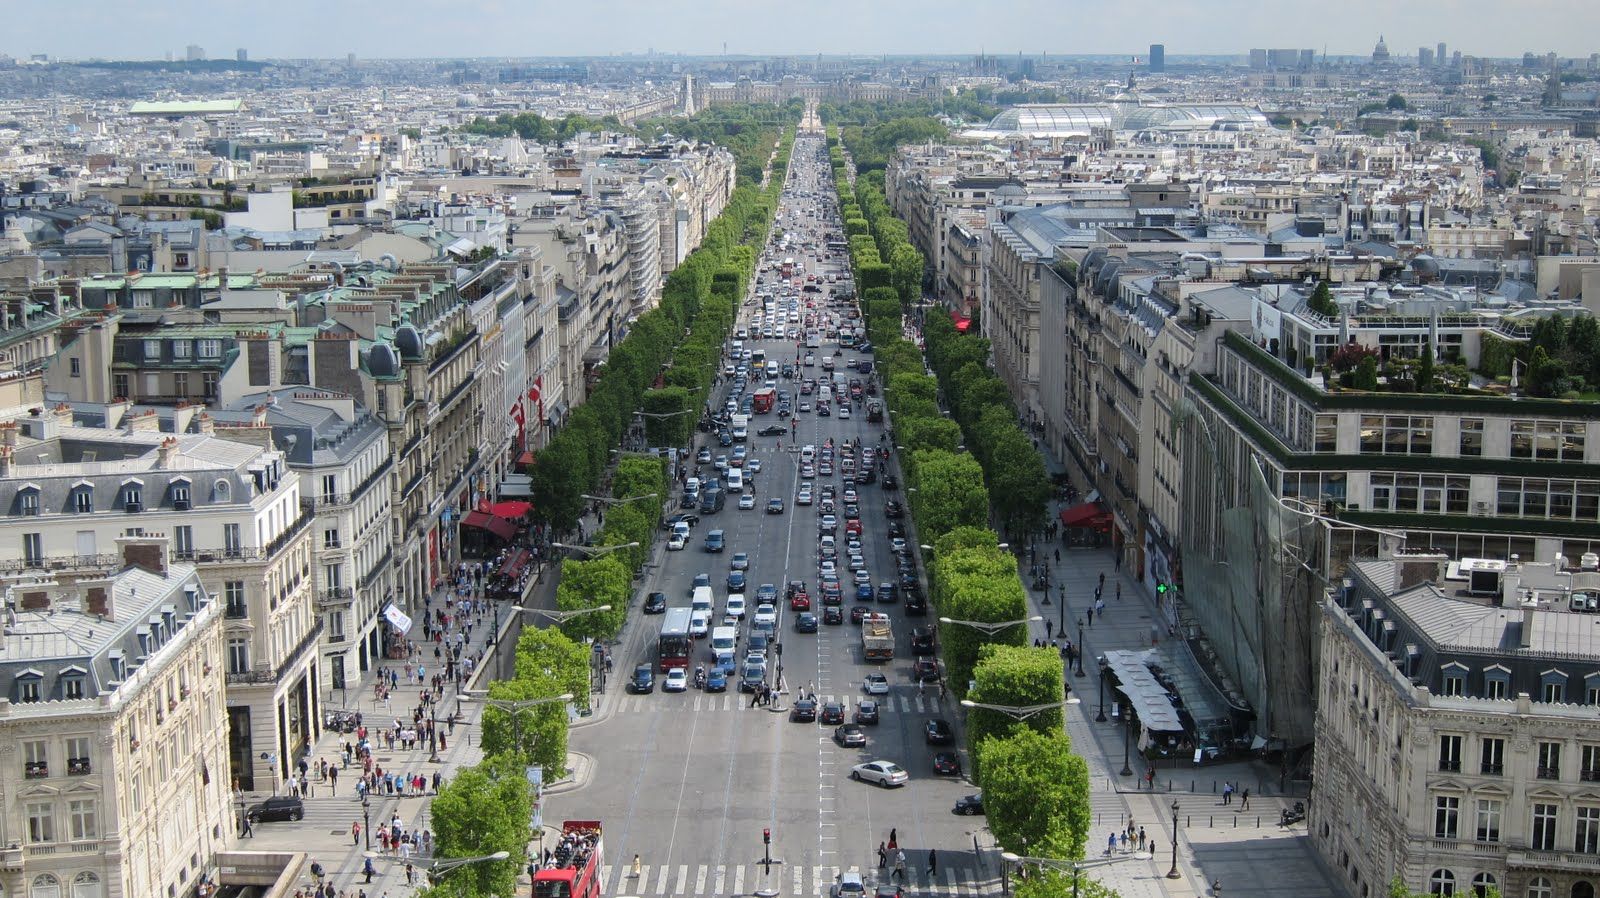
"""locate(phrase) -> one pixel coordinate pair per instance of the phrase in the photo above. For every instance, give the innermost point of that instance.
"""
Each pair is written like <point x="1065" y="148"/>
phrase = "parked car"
<point x="277" y="808"/>
<point x="884" y="773"/>
<point x="938" y="732"/>
<point x="969" y="805"/>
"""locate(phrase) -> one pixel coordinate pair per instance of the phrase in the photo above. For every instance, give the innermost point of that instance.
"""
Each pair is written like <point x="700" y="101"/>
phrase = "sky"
<point x="121" y="29"/>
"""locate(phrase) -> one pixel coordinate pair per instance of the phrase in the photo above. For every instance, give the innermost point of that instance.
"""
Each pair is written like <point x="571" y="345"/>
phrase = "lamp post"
<point x="609" y="501"/>
<point x="990" y="627"/>
<point x="1173" y="873"/>
<point x="1015" y="712"/>
<point x="366" y="819"/>
<point x="593" y="552"/>
<point x="1051" y="863"/>
<point x="1079" y="672"/>
<point x="515" y="707"/>
<point x="1101" y="717"/>
<point x="1127" y="724"/>
<point x="1061" y="608"/>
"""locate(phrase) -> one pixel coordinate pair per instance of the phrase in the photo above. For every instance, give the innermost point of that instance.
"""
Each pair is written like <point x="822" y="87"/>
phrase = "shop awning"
<point x="1150" y="700"/>
<point x="962" y="322"/>
<point x="510" y="509"/>
<point x="514" y="565"/>
<point x="1085" y="514"/>
<point x="525" y="459"/>
<point x="485" y="521"/>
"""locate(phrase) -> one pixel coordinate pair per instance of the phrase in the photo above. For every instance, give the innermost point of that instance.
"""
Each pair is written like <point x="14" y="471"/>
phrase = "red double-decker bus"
<point x="579" y="858"/>
<point x="764" y="399"/>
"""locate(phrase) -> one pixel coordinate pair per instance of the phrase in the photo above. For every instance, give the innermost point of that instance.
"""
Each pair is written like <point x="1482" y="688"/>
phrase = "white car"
<point x="844" y="412"/>
<point x="804" y="498"/>
<point x="677" y="542"/>
<point x="766" y="616"/>
<point x="876" y="684"/>
<point x="676" y="680"/>
<point x="747" y="501"/>
<point x="753" y="466"/>
<point x="735" y="604"/>
<point x="699" y="624"/>
<point x="884" y="773"/>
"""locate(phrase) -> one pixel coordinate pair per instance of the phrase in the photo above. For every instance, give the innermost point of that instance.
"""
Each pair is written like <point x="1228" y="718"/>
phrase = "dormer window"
<point x="28" y="501"/>
<point x="72" y="683"/>
<point x="133" y="497"/>
<point x="1496" y="683"/>
<point x="30" y="686"/>
<point x="83" y="499"/>
<point x="220" y="490"/>
<point x="180" y="495"/>
<point x="1553" y="687"/>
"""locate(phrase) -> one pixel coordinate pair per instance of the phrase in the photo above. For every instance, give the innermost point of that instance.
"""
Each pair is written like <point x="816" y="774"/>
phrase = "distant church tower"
<point x="1380" y="53"/>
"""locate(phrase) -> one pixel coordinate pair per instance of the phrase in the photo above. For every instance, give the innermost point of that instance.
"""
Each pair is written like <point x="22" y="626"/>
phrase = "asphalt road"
<point x="688" y="781"/>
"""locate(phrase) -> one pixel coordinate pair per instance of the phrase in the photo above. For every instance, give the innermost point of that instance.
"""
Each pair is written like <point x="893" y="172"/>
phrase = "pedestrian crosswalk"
<point x="688" y="880"/>
<point x="650" y="703"/>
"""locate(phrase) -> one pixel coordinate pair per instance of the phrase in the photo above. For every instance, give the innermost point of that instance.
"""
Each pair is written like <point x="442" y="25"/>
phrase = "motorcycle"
<point x="700" y="679"/>
<point x="1293" y="815"/>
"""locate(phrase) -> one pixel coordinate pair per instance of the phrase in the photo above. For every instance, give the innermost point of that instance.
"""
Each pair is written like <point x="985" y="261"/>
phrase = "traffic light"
<point x="766" y="836"/>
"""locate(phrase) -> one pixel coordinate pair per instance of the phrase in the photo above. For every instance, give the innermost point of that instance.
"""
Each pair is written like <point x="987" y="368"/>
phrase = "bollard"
<point x="1213" y="787"/>
<point x="1191" y="785"/>
<point x="1235" y="821"/>
<point x="1211" y="822"/>
<point x="1258" y="823"/>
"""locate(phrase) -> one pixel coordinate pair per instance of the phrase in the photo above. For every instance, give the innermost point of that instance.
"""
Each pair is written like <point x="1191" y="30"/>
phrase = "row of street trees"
<point x="1036" y="789"/>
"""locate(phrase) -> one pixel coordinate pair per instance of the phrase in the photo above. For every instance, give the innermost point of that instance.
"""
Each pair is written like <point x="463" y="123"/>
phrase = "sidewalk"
<point x="1245" y="849"/>
<point x="325" y="833"/>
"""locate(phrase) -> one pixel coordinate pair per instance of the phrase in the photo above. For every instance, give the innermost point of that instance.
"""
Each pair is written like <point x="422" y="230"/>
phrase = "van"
<point x="701" y="601"/>
<point x="735" y="480"/>
<point x="712" y="500"/>
<point x="724" y="643"/>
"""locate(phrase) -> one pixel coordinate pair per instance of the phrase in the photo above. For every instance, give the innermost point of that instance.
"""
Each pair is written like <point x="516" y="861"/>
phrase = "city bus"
<point x="764" y="399"/>
<point x="676" y="644"/>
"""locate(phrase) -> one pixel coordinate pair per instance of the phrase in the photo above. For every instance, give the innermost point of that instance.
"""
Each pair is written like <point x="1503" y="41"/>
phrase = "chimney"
<point x="63" y="415"/>
<point x="97" y="598"/>
<point x="146" y="552"/>
<point x="1529" y="606"/>
<point x="8" y="433"/>
<point x="204" y="423"/>
<point x="258" y="416"/>
<point x="8" y="462"/>
<point x="115" y="409"/>
<point x="222" y="282"/>
<point x="183" y="416"/>
<point x="146" y="421"/>
<point x="167" y="453"/>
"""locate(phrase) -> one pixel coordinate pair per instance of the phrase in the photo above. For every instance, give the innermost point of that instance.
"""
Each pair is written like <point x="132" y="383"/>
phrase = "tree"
<point x="1425" y="372"/>
<point x="590" y="584"/>
<point x="1017" y="677"/>
<point x="482" y="810"/>
<point x="1396" y="103"/>
<point x="976" y="584"/>
<point x="1367" y="374"/>
<point x="1398" y="889"/>
<point x="545" y="653"/>
<point x="906" y="267"/>
<point x="924" y="432"/>
<point x="533" y="735"/>
<point x="669" y="416"/>
<point x="559" y="473"/>
<point x="949" y="493"/>
<point x="1321" y="301"/>
<point x="1036" y="793"/>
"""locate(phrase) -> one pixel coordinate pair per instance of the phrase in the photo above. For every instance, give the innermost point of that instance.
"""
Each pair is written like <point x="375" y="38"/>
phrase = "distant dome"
<point x="1425" y="264"/>
<point x="382" y="361"/>
<point x="409" y="342"/>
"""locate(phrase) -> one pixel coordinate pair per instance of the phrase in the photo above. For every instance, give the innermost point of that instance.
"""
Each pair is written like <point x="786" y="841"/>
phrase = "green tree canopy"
<point x="1036" y="793"/>
<point x="1014" y="677"/>
<point x="482" y="810"/>
<point x="590" y="584"/>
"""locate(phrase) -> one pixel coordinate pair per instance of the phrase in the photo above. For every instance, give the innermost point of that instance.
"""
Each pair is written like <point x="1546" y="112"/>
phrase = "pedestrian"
<point x="355" y="833"/>
<point x="755" y="697"/>
<point x="1089" y="613"/>
<point x="1216" y="887"/>
<point x="411" y="874"/>
<point x="933" y="863"/>
<point x="1048" y="629"/>
<point x="900" y="867"/>
<point x="1141" y="838"/>
<point x="893" y="843"/>
<point x="883" y="856"/>
<point x="1119" y="592"/>
<point x="1244" y="800"/>
<point x="1111" y="844"/>
<point x="367" y="869"/>
<point x="1058" y="556"/>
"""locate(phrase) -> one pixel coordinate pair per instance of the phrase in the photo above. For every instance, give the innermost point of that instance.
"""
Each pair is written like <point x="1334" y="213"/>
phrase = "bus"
<point x="676" y="644"/>
<point x="763" y="400"/>
<point x="788" y="267"/>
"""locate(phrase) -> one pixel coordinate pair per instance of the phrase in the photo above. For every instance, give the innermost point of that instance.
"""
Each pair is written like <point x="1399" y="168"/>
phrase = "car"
<point x="947" y="763"/>
<point x="849" y="885"/>
<point x="278" y="807"/>
<point x="717" y="679"/>
<point x="805" y="622"/>
<point x="938" y="732"/>
<point x="774" y="505"/>
<point x="676" y="680"/>
<point x="736" y="581"/>
<point x="850" y="735"/>
<point x="804" y="710"/>
<point x="856" y="562"/>
<point x="677" y="541"/>
<point x="844" y="411"/>
<point x="716" y="541"/>
<point x="858" y="613"/>
<point x="892" y="508"/>
<point x="862" y="578"/>
<point x="832" y="713"/>
<point x="875" y="684"/>
<point x="740" y="561"/>
<point x="772" y="430"/>
<point x="867" y="712"/>
<point x="969" y="805"/>
<point x="888" y="890"/>
<point x="699" y="581"/>
<point x="753" y="466"/>
<point x="699" y="624"/>
<point x="822" y="410"/>
<point x="916" y="605"/>
<point x="747" y="501"/>
<point x="766" y="594"/>
<point x="799" y="600"/>
<point x="824" y="469"/>
<point x="643" y="680"/>
<point x="891" y="482"/>
<point x="655" y="603"/>
<point x="804" y="496"/>
<point x="693" y="520"/>
<point x="703" y="457"/>
<point x="828" y="524"/>
<point x="863" y="593"/>
<point x="721" y="464"/>
<point x="807" y="470"/>
<point x="735" y="605"/>
<point x="884" y="773"/>
<point x="925" y="670"/>
<point x="922" y="641"/>
<point x="832" y="615"/>
<point x="828" y="566"/>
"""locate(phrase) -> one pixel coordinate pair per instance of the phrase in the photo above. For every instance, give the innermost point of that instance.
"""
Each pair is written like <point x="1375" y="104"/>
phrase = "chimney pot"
<point x="1525" y="639"/>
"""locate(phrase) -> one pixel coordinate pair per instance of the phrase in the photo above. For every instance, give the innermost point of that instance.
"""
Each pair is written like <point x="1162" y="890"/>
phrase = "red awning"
<point x="525" y="459"/>
<point x="513" y="567"/>
<point x="511" y="509"/>
<point x="484" y="521"/>
<point x="962" y="322"/>
<point x="1086" y="514"/>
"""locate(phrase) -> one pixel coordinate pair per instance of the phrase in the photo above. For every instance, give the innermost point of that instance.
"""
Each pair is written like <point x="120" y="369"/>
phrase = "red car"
<point x="852" y="527"/>
<point x="799" y="601"/>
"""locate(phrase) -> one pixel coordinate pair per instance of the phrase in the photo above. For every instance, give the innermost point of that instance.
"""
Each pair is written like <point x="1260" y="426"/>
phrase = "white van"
<point x="736" y="480"/>
<point x="724" y="644"/>
<point x="701" y="601"/>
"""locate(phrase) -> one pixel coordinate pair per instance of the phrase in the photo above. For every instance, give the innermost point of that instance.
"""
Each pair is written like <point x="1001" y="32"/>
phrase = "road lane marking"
<point x="738" y="880"/>
<point x="718" y="880"/>
<point x="683" y="879"/>
<point x="661" y="880"/>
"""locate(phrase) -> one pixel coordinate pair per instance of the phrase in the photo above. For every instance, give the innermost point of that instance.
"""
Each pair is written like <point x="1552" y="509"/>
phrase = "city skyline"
<point x="1231" y="27"/>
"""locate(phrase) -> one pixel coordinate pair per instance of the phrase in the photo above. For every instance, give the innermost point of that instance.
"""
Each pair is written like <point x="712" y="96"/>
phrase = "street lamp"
<point x="515" y="707"/>
<point x="560" y="617"/>
<point x="608" y="500"/>
<point x="437" y="868"/>
<point x="1173" y="873"/>
<point x="990" y="627"/>
<point x="1015" y="712"/>
<point x="1101" y="717"/>
<point x="594" y="551"/>
<point x="1075" y="866"/>
<point x="1081" y="650"/>
<point x="366" y="818"/>
<point x="1127" y="724"/>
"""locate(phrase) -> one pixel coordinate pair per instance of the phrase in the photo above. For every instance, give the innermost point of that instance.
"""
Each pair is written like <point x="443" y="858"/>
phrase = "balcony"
<point x="372" y="575"/>
<point x="79" y="767"/>
<point x="1448" y="766"/>
<point x="36" y="770"/>
<point x="235" y="611"/>
<point x="60" y="563"/>
<point x="336" y="595"/>
<point x="307" y="512"/>
<point x="265" y="677"/>
<point x="1589" y="776"/>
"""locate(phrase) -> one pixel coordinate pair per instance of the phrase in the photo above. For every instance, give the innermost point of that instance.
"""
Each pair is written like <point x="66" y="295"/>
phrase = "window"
<point x="1450" y="754"/>
<point x="28" y="502"/>
<point x="78" y="760"/>
<point x="208" y="384"/>
<point x="1455" y="681"/>
<point x="1492" y="760"/>
<point x="1489" y="819"/>
<point x="83" y="500"/>
<point x="1543" y="837"/>
<point x="82" y="823"/>
<point x="133" y="497"/>
<point x="1446" y="817"/>
<point x="72" y="686"/>
<point x="336" y="626"/>
<point x="1587" y="835"/>
<point x="238" y="655"/>
<point x="119" y="386"/>
<point x="1442" y="882"/>
<point x="35" y="760"/>
<point x="1396" y="435"/>
<point x="1547" y="440"/>
<point x="1553" y="691"/>
<point x="33" y="548"/>
<point x="1327" y="429"/>
<point x="1496" y="683"/>
<point x="210" y="349"/>
<point x="183" y="540"/>
<point x="1428" y="493"/>
<point x="180" y="350"/>
<point x="1540" y="887"/>
<point x="1481" y="884"/>
<point x="152" y="350"/>
<point x="1589" y="763"/>
<point x="180" y="384"/>
<point x="28" y="688"/>
<point x="1549" y="761"/>
<point x="330" y="538"/>
<point x="230" y="538"/>
<point x="41" y="822"/>
<point x="1471" y="436"/>
<point x="233" y="597"/>
<point x="76" y="366"/>
<point x="330" y="487"/>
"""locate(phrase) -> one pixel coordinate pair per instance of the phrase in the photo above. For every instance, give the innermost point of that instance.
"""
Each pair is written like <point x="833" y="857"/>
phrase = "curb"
<point x="582" y="771"/>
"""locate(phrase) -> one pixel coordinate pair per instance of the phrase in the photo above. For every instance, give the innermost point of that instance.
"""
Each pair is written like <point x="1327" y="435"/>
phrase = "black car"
<point x="724" y="438"/>
<point x="969" y="805"/>
<point x="867" y="712"/>
<point x="643" y="680"/>
<point x="890" y="482"/>
<point x="850" y="736"/>
<point x="922" y="639"/>
<point x="772" y="430"/>
<point x="655" y="603"/>
<point x="896" y="529"/>
<point x="938" y="732"/>
<point x="916" y="605"/>
<point x="278" y="807"/>
<point x="893" y="508"/>
<point x="858" y="613"/>
<point x="832" y="615"/>
<point x="804" y="711"/>
<point x="693" y="520"/>
<point x="947" y="763"/>
<point x="805" y="622"/>
<point x="888" y="593"/>
<point x="832" y="713"/>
